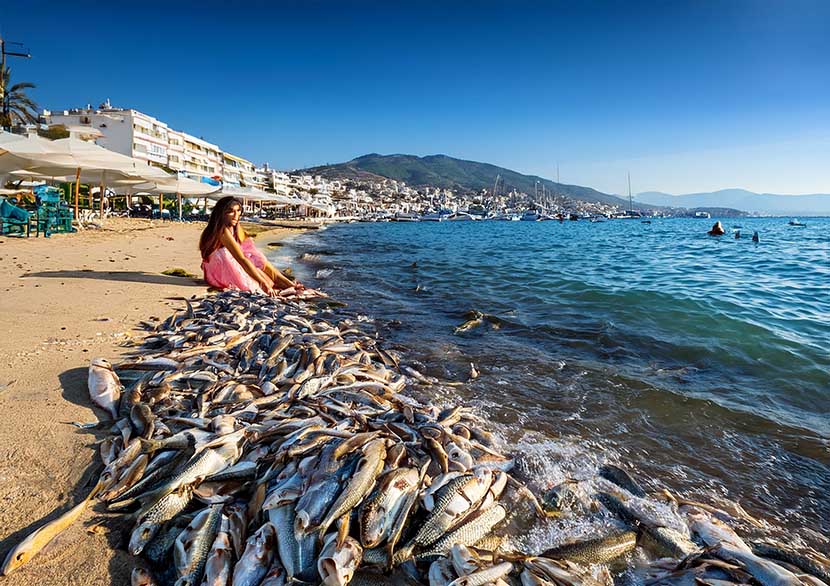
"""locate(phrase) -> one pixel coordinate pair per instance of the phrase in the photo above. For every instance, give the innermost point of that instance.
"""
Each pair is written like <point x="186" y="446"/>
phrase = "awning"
<point x="176" y="184"/>
<point x="245" y="193"/>
<point x="61" y="159"/>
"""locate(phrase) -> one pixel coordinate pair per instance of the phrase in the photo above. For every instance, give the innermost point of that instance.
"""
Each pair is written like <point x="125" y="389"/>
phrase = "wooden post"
<point x="100" y="198"/>
<point x="179" y="199"/>
<point x="161" y="206"/>
<point x="77" y="191"/>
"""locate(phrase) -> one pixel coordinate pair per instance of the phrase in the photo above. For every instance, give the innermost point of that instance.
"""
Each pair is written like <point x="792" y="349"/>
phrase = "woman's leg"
<point x="280" y="280"/>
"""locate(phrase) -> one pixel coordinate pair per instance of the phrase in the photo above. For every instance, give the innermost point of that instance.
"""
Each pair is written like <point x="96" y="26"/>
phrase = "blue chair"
<point x="53" y="214"/>
<point x="13" y="219"/>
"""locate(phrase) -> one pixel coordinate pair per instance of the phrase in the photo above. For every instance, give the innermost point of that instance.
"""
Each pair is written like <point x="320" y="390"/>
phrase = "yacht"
<point x="461" y="217"/>
<point x="530" y="216"/>
<point x="435" y="216"/>
<point x="504" y="218"/>
<point x="404" y="217"/>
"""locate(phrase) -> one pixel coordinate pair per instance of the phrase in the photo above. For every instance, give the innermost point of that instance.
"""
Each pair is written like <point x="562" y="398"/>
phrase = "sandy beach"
<point x="64" y="301"/>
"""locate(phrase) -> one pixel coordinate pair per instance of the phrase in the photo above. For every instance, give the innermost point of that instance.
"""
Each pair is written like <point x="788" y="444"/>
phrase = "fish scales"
<point x="468" y="532"/>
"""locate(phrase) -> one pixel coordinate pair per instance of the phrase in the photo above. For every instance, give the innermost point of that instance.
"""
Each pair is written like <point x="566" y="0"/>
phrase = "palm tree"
<point x="18" y="108"/>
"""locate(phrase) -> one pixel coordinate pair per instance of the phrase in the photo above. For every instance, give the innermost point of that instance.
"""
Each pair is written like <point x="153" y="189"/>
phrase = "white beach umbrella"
<point x="71" y="159"/>
<point x="181" y="186"/>
<point x="245" y="193"/>
<point x="19" y="152"/>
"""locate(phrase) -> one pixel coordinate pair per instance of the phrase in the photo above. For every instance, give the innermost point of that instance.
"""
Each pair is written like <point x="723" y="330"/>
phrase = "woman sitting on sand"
<point x="229" y="258"/>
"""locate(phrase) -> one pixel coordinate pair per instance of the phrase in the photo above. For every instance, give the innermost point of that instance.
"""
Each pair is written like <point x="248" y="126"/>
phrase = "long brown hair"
<point x="210" y="239"/>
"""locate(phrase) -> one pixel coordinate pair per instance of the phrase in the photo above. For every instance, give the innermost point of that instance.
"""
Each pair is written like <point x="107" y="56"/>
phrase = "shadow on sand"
<point x="122" y="276"/>
<point x="74" y="389"/>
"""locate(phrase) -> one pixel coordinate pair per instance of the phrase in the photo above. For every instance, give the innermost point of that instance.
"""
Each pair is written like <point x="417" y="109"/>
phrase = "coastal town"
<point x="269" y="193"/>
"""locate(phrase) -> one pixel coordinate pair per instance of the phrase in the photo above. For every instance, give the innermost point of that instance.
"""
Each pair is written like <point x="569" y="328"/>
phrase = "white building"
<point x="175" y="150"/>
<point x="201" y="158"/>
<point x="241" y="172"/>
<point x="143" y="137"/>
<point x="124" y="131"/>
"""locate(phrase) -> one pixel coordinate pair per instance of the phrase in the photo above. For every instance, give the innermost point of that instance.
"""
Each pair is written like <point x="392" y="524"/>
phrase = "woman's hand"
<point x="267" y="285"/>
<point x="298" y="287"/>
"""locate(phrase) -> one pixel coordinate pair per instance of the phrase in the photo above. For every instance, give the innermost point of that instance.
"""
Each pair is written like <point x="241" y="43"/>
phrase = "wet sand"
<point x="63" y="301"/>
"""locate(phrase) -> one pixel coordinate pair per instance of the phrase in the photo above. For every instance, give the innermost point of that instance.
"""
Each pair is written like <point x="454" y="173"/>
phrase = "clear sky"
<point x="688" y="96"/>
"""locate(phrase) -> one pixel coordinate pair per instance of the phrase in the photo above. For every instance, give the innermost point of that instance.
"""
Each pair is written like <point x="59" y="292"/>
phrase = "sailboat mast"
<point x="630" y="200"/>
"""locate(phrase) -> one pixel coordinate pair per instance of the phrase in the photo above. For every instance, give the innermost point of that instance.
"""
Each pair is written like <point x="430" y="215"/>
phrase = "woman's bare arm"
<point x="229" y="242"/>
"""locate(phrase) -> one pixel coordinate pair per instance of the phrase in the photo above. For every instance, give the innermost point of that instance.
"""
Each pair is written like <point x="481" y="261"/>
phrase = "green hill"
<point x="448" y="172"/>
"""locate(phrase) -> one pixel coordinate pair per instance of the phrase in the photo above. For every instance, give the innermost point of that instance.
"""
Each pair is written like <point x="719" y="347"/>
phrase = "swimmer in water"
<point x="755" y="238"/>
<point x="717" y="230"/>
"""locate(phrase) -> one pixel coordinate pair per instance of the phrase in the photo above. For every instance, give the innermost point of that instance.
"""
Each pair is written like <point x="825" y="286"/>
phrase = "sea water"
<point x="702" y="363"/>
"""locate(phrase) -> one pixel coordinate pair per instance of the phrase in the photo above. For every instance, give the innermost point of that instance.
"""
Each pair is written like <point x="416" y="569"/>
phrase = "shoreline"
<point x="66" y="300"/>
<point x="74" y="549"/>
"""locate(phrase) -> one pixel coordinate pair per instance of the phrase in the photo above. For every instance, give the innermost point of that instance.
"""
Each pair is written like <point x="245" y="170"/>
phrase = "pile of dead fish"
<point x="264" y="442"/>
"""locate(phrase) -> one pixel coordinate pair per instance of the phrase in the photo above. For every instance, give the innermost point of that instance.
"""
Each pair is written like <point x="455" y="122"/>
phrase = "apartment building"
<point x="133" y="133"/>
<point x="124" y="131"/>
<point x="176" y="150"/>
<point x="273" y="180"/>
<point x="201" y="158"/>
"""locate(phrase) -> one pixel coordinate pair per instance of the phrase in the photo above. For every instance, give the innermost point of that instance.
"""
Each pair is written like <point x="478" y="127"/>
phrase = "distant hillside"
<point x="762" y="203"/>
<point x="448" y="172"/>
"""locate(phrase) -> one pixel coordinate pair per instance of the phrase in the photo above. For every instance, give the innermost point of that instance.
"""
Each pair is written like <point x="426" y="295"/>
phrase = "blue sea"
<point x="702" y="363"/>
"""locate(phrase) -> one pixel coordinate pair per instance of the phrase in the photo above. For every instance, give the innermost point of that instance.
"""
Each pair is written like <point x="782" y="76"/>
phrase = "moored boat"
<point x="405" y="217"/>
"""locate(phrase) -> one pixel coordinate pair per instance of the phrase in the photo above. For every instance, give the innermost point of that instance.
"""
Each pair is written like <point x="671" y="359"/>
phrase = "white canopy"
<point x="246" y="193"/>
<point x="4" y="191"/>
<point x="177" y="184"/>
<point x="83" y="131"/>
<point x="23" y="152"/>
<point x="62" y="159"/>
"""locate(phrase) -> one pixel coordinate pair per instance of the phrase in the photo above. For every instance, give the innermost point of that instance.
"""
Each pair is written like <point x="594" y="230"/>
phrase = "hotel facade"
<point x="141" y="136"/>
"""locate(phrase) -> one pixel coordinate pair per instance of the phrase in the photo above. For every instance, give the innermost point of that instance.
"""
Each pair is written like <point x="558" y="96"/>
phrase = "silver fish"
<point x="104" y="386"/>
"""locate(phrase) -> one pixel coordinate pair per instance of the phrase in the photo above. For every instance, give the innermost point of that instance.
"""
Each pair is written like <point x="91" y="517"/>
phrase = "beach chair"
<point x="13" y="220"/>
<point x="53" y="214"/>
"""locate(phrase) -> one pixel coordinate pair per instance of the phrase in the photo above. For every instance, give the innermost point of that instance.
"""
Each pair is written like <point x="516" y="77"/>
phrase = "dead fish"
<point x="337" y="564"/>
<point x="141" y="577"/>
<point x="36" y="541"/>
<point x="622" y="479"/>
<point x="104" y="386"/>
<point x="595" y="551"/>
<point x="257" y="557"/>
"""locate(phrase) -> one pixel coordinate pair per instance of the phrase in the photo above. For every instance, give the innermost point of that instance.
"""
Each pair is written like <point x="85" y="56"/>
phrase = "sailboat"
<point x="630" y="214"/>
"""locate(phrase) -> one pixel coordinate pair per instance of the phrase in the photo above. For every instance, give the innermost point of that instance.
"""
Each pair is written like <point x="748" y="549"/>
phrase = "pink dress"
<point x="223" y="271"/>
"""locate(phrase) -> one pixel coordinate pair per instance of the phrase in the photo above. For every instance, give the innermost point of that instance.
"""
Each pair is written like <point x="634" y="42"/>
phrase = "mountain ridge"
<point x="743" y="199"/>
<point x="449" y="172"/>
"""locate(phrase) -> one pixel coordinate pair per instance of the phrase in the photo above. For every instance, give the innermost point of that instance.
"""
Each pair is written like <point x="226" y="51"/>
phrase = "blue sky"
<point x="687" y="96"/>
